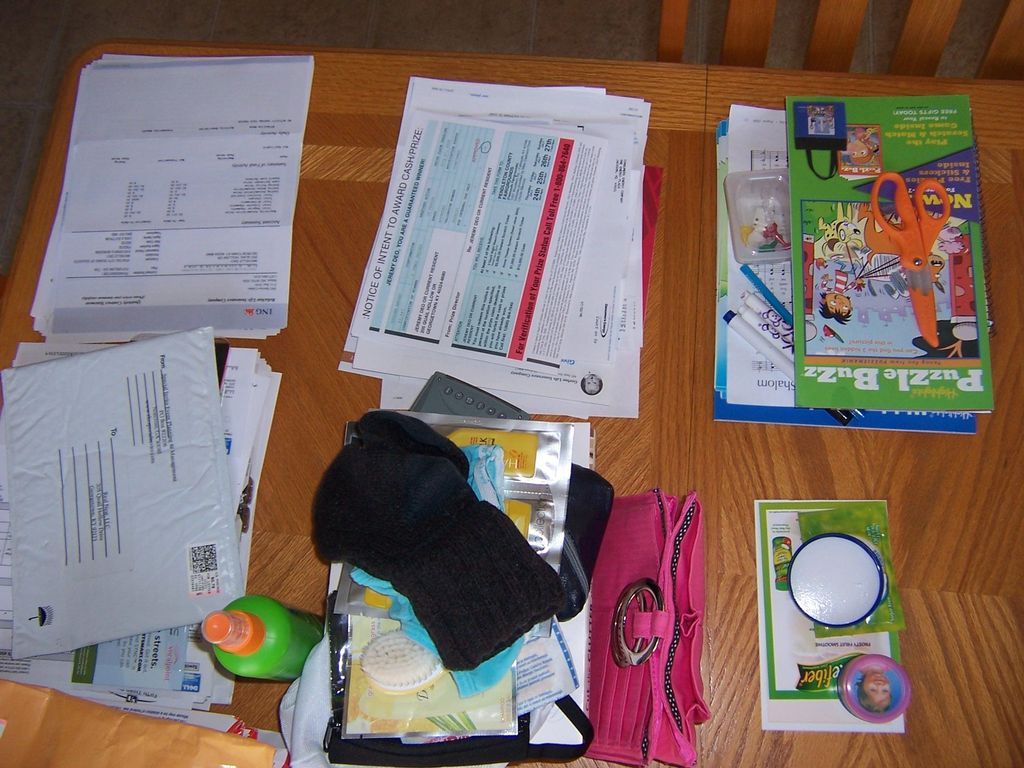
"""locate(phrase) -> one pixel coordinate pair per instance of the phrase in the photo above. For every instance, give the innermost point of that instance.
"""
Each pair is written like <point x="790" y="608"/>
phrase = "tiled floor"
<point x="39" y="38"/>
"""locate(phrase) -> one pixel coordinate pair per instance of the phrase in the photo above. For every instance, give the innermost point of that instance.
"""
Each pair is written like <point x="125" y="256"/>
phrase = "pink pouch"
<point x="645" y="692"/>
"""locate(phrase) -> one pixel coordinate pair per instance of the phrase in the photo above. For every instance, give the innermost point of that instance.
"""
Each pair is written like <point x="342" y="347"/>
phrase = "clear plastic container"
<point x="759" y="223"/>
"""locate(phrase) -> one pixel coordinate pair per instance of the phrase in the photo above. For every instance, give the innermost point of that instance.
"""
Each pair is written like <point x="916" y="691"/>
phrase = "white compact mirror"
<point x="836" y="579"/>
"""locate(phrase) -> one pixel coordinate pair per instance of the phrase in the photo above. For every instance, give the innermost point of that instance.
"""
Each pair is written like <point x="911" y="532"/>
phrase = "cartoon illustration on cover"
<point x="863" y="153"/>
<point x="857" y="298"/>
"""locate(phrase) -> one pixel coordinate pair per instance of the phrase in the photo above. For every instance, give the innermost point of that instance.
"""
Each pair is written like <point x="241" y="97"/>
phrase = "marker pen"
<point x="778" y="334"/>
<point x="760" y="342"/>
<point x="770" y="297"/>
<point x="763" y="344"/>
<point x="760" y="306"/>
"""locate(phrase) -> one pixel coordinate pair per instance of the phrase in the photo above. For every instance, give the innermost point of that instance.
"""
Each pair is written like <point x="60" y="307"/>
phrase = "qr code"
<point x="204" y="558"/>
<point x="203" y="573"/>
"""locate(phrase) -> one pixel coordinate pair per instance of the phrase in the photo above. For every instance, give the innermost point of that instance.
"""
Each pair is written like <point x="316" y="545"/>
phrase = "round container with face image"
<point x="874" y="688"/>
<point x="836" y="579"/>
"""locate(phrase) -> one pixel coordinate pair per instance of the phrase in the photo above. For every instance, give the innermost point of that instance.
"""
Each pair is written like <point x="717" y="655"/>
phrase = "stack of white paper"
<point x="165" y="672"/>
<point x="178" y="198"/>
<point x="509" y="250"/>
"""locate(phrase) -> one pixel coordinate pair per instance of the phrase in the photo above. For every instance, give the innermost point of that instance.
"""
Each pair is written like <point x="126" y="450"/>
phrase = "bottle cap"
<point x="235" y="632"/>
<point x="874" y="688"/>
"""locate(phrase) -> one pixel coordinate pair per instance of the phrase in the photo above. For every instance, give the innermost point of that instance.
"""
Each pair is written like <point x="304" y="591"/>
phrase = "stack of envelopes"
<point x="129" y="479"/>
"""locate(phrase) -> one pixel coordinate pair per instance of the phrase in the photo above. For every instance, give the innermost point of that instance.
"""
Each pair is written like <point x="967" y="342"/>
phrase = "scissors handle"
<point x="929" y="225"/>
<point x="904" y="208"/>
<point x="918" y="229"/>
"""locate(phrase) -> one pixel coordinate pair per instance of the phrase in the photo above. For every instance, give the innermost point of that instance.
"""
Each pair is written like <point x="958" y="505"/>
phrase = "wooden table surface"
<point x="957" y="524"/>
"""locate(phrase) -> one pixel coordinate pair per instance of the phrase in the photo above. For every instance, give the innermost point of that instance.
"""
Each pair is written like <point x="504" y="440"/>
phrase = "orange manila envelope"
<point x="43" y="727"/>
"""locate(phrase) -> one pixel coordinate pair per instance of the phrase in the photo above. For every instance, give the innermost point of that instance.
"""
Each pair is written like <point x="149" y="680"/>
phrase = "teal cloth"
<point x="470" y="681"/>
<point x="487" y="473"/>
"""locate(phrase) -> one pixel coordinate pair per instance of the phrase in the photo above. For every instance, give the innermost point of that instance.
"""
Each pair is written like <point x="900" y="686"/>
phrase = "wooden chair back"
<point x="831" y="40"/>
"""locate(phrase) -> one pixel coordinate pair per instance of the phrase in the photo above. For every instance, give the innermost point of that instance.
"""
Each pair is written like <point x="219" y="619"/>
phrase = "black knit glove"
<point x="397" y="504"/>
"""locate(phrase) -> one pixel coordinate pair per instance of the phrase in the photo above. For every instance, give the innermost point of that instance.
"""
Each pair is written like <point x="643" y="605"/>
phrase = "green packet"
<point x="869" y="521"/>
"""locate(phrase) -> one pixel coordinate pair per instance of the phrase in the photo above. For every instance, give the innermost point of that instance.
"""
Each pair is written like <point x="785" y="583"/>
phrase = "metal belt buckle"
<point x="644" y="592"/>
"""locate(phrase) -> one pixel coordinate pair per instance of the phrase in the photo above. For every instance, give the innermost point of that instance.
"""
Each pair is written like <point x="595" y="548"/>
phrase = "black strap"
<point x="833" y="165"/>
<point x="566" y="752"/>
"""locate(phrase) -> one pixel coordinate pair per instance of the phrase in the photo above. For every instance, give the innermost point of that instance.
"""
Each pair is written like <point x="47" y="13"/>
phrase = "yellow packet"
<point x="520" y="447"/>
<point x="376" y="599"/>
<point x="520" y="513"/>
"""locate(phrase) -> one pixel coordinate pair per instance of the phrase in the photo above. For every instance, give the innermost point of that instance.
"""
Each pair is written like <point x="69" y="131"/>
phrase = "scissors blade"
<point x="922" y="301"/>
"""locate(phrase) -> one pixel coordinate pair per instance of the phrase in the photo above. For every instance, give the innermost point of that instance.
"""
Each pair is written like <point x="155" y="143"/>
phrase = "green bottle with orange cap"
<point x="256" y="636"/>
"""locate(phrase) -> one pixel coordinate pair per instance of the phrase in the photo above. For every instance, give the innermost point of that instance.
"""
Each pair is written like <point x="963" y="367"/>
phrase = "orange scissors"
<point x="915" y="236"/>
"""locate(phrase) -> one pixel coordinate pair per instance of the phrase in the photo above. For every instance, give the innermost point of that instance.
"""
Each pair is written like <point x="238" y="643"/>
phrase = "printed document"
<point x="509" y="250"/>
<point x="482" y="241"/>
<point x="122" y="516"/>
<point x="178" y="198"/>
<point x="614" y="225"/>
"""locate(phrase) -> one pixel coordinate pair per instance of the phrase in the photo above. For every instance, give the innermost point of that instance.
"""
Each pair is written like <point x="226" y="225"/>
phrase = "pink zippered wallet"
<point x="645" y="692"/>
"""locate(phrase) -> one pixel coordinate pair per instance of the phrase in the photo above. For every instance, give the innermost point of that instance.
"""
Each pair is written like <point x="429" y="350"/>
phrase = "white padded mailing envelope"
<point x="121" y="511"/>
